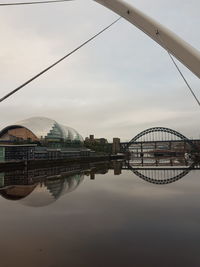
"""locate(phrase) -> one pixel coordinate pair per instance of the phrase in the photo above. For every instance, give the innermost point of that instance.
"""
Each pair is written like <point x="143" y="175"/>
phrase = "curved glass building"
<point x="40" y="129"/>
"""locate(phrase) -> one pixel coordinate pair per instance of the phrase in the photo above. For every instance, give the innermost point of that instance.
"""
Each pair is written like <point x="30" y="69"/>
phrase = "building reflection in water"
<point x="39" y="187"/>
<point x="42" y="186"/>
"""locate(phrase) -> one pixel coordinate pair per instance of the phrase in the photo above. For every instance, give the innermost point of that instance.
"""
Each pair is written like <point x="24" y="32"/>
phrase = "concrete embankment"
<point x="37" y="163"/>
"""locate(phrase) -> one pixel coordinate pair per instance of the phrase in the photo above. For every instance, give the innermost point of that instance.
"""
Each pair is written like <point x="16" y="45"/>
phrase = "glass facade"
<point x="2" y="154"/>
<point x="42" y="129"/>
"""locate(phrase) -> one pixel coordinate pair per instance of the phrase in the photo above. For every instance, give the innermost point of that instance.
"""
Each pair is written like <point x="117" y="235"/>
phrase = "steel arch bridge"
<point x="157" y="134"/>
<point x="158" y="130"/>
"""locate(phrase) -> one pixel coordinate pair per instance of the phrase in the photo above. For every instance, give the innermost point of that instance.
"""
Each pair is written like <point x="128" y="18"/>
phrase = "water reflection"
<point x="162" y="176"/>
<point x="43" y="186"/>
<point x="40" y="187"/>
<point x="162" y="170"/>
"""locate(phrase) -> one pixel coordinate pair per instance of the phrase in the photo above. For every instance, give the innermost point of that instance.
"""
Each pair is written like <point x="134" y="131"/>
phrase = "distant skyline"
<point x="116" y="86"/>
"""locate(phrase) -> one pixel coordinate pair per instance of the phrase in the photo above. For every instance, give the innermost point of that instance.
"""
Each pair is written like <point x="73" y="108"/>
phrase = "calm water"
<point x="87" y="216"/>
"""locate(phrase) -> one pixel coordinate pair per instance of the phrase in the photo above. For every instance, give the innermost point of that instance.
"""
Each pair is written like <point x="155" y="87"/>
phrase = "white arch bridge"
<point x="170" y="41"/>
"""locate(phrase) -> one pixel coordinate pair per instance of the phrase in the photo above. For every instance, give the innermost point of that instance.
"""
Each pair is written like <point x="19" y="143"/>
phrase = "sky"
<point x="118" y="85"/>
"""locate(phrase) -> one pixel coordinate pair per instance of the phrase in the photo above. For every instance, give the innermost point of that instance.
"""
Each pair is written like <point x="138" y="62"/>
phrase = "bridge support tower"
<point x="116" y="145"/>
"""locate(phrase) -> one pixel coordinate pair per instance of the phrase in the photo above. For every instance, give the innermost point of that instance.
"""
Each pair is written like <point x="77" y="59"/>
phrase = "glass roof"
<point x="43" y="127"/>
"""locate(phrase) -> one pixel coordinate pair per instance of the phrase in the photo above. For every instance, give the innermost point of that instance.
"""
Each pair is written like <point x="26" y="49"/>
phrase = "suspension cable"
<point x="33" y="3"/>
<point x="61" y="59"/>
<point x="177" y="67"/>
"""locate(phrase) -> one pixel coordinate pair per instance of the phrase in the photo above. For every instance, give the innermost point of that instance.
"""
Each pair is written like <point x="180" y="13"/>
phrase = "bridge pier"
<point x="116" y="148"/>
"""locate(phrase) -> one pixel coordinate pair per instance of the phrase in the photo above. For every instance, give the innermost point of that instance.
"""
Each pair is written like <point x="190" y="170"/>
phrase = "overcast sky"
<point x="116" y="86"/>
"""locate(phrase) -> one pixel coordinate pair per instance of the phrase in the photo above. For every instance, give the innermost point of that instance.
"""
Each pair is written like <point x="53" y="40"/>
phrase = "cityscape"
<point x="42" y="139"/>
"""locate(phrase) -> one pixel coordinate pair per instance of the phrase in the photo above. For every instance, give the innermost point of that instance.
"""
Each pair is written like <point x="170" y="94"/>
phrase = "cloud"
<point x="115" y="86"/>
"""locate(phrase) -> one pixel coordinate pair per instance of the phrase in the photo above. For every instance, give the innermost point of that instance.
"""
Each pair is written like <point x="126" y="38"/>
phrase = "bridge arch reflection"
<point x="161" y="176"/>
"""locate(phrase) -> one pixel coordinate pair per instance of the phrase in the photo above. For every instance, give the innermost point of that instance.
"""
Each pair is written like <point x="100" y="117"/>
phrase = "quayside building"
<point x="40" y="138"/>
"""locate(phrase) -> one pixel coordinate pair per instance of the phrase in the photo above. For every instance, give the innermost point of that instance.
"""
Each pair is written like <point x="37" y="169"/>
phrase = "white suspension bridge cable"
<point x="33" y="2"/>
<point x="186" y="82"/>
<point x="177" y="67"/>
<point x="57" y="1"/>
<point x="57" y="62"/>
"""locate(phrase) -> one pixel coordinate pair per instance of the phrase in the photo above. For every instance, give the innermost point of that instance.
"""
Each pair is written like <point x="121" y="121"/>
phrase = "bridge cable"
<point x="177" y="67"/>
<point x="33" y="3"/>
<point x="58" y="61"/>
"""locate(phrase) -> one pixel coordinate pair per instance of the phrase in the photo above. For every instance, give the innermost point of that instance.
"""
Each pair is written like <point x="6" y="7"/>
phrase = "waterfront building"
<point x="92" y="140"/>
<point x="40" y="138"/>
<point x="99" y="145"/>
<point x="40" y="130"/>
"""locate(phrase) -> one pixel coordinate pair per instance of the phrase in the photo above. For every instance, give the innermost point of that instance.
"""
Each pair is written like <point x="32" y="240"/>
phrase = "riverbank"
<point x="37" y="163"/>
